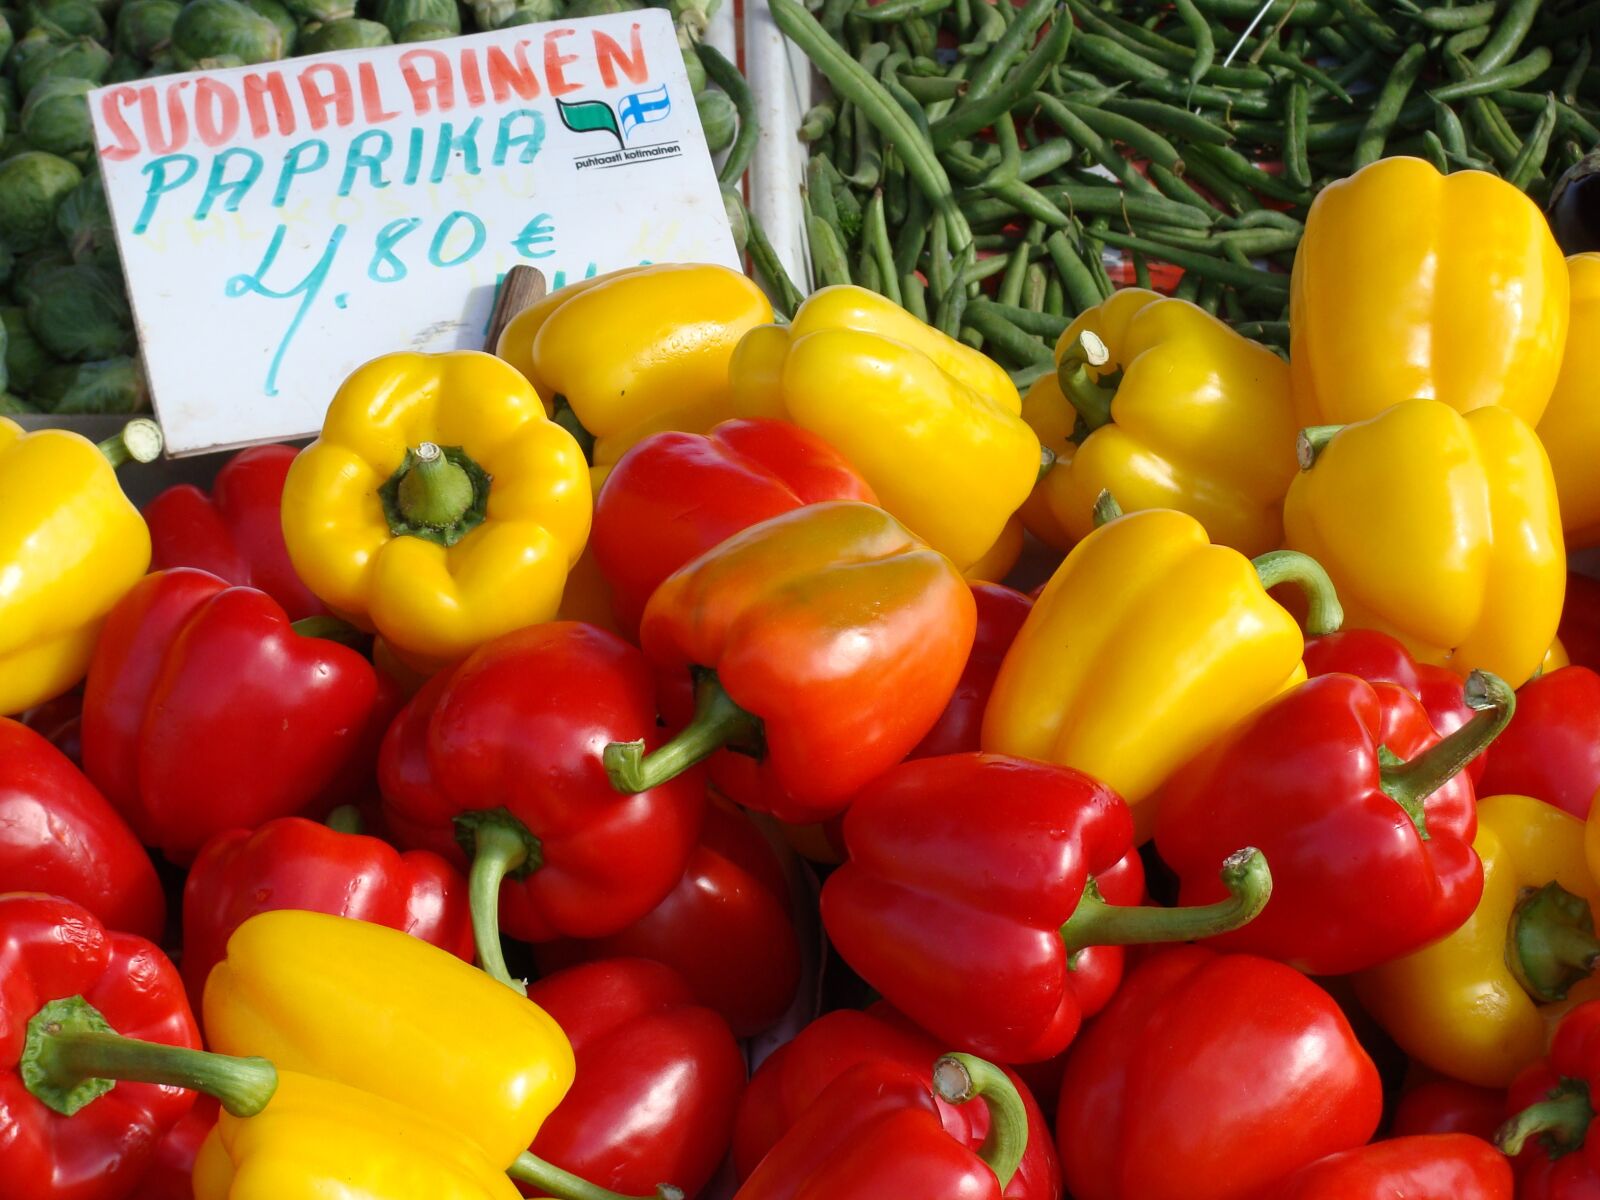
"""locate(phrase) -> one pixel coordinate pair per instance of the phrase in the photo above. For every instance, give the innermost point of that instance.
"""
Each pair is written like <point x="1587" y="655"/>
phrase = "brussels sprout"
<point x="698" y="80"/>
<point x="79" y="312"/>
<point x="26" y="359"/>
<point x="14" y="406"/>
<point x="43" y="55"/>
<point x="84" y="221"/>
<point x="145" y="26"/>
<point x="34" y="266"/>
<point x="350" y="34"/>
<point x="738" y="217"/>
<point x="56" y="116"/>
<point x="32" y="185"/>
<point x="7" y="37"/>
<point x="79" y="18"/>
<point x="598" y="8"/>
<point x="123" y="68"/>
<point x="164" y="63"/>
<point x="210" y="29"/>
<point x="288" y="28"/>
<point x="8" y="264"/>
<point x="425" y="31"/>
<point x="323" y="11"/>
<point x="718" y="117"/>
<point x="398" y="16"/>
<point x="529" y="12"/>
<point x="111" y="385"/>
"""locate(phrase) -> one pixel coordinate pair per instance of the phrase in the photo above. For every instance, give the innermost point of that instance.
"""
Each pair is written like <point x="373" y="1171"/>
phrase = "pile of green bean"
<point x="967" y="141"/>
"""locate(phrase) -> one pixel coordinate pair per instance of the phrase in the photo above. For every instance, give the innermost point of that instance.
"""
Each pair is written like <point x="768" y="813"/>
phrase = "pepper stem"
<point x="717" y="722"/>
<point x="1562" y="1119"/>
<point x="72" y="1056"/>
<point x="438" y="493"/>
<point x="551" y="1180"/>
<point x="1408" y="783"/>
<point x="344" y="819"/>
<point x="1550" y="942"/>
<point x="1047" y="460"/>
<point x="501" y="847"/>
<point x="1324" y="613"/>
<point x="962" y="1077"/>
<point x="1311" y="442"/>
<point x="568" y="420"/>
<point x="1092" y="400"/>
<point x="1095" y="923"/>
<point x="139" y="440"/>
<point x="1106" y="508"/>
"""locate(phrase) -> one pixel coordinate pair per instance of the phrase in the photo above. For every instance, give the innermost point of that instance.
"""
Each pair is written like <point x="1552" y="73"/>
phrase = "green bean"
<point x="1448" y="124"/>
<point x="1210" y="294"/>
<point x="1205" y="265"/>
<point x="939" y="87"/>
<point x="1355" y="67"/>
<point x="895" y="86"/>
<point x="1242" y="171"/>
<point x="1246" y="103"/>
<point x="1114" y="57"/>
<point x="1004" y="335"/>
<point x="1096" y="199"/>
<point x="921" y="36"/>
<point x="833" y="14"/>
<point x="1020" y="197"/>
<point x="1163" y="52"/>
<point x="1433" y="151"/>
<point x="818" y="121"/>
<point x="1495" y="130"/>
<point x="867" y="274"/>
<point x="978" y="110"/>
<point x="1530" y="159"/>
<point x="1312" y="74"/>
<point x="1141" y="138"/>
<point x="912" y="235"/>
<point x="1579" y="20"/>
<point x="1094" y="245"/>
<point x="785" y="296"/>
<point x="1391" y="98"/>
<point x="939" y="269"/>
<point x="1467" y="39"/>
<point x="914" y="294"/>
<point x="1103" y="153"/>
<point x="1506" y="78"/>
<point x="1452" y="20"/>
<point x="1508" y="34"/>
<point x="869" y="153"/>
<point x="1055" y="297"/>
<point x="1168" y="118"/>
<point x="727" y="77"/>
<point x="1248" y="242"/>
<point x="1262" y="218"/>
<point x="1175" y="189"/>
<point x="1263" y="331"/>
<point x="897" y="10"/>
<point x="1033" y="289"/>
<point x="1368" y="26"/>
<point x="1205" y="50"/>
<point x="1018" y="36"/>
<point x="1188" y="287"/>
<point x="819" y="190"/>
<point x="1077" y="281"/>
<point x="828" y="260"/>
<point x="1573" y="79"/>
<point x="1296" y="166"/>
<point x="1044" y="157"/>
<point x="875" y="239"/>
<point x="1309" y="12"/>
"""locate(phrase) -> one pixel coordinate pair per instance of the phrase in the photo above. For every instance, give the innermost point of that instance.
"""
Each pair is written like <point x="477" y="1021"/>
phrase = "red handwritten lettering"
<point x="335" y="94"/>
<point x="471" y="77"/>
<point x="554" y="61"/>
<point x="116" y="99"/>
<point x="372" y="110"/>
<point x="434" y="90"/>
<point x="216" y="112"/>
<point x="161" y="141"/>
<point x="258" y="91"/>
<point x="506" y="77"/>
<point x="609" y="56"/>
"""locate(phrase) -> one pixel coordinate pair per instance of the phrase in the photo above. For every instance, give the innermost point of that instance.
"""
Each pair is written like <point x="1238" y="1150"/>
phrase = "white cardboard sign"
<point x="281" y="224"/>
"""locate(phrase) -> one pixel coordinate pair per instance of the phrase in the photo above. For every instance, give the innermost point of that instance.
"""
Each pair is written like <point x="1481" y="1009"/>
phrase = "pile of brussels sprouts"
<point x="67" y="334"/>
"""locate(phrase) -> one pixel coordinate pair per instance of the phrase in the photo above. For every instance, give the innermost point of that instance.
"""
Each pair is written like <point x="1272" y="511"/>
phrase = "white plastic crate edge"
<point x="784" y="86"/>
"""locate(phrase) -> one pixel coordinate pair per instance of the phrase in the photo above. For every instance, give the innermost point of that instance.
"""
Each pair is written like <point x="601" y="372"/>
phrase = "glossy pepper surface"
<point x="1570" y="426"/>
<point x="370" y="1008"/>
<point x="676" y="495"/>
<point x="1172" y="641"/>
<point x="1446" y="1166"/>
<point x="1551" y="1132"/>
<point x="658" y="1078"/>
<point x="295" y="863"/>
<point x="1469" y="1006"/>
<point x="1551" y="749"/>
<point x="1439" y="528"/>
<point x="1001" y="612"/>
<point x="236" y="530"/>
<point x="1411" y="284"/>
<point x="1366" y="816"/>
<point x="932" y="425"/>
<point x="439" y="508"/>
<point x="835" y="638"/>
<point x="59" y="835"/>
<point x="1178" y="412"/>
<point x="1171" y="1044"/>
<point x="205" y="710"/>
<point x="72" y="544"/>
<point x="51" y="949"/>
<point x="1440" y="1105"/>
<point x="171" y="1172"/>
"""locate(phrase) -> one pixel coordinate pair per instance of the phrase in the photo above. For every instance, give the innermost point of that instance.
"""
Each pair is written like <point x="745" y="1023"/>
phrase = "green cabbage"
<point x="112" y="385"/>
<point x="78" y="18"/>
<point x="350" y="34"/>
<point x="32" y="186"/>
<point x="45" y="54"/>
<point x="145" y="26"/>
<point x="279" y="15"/>
<point x="79" y="312"/>
<point x="26" y="359"/>
<point x="211" y="29"/>
<point x="56" y="116"/>
<point x="84" y="222"/>
<point x="14" y="406"/>
<point x="398" y="16"/>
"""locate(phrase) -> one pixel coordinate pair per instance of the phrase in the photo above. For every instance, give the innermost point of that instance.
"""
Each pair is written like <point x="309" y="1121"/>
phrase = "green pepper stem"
<point x="344" y="819"/>
<point x="1410" y="782"/>
<point x="1106" y="508"/>
<point x="1562" y="1119"/>
<point x="1324" y="613"/>
<point x="568" y="420"/>
<point x="1096" y="923"/>
<point x="139" y="440"/>
<point x="959" y="1078"/>
<point x="1550" y="942"/>
<point x="332" y="629"/>
<point x="1311" y="442"/>
<point x="434" y="492"/>
<point x="1092" y="400"/>
<point x="72" y="1057"/>
<point x="551" y="1180"/>
<point x="501" y="847"/>
<point x="717" y="722"/>
<point x="1047" y="460"/>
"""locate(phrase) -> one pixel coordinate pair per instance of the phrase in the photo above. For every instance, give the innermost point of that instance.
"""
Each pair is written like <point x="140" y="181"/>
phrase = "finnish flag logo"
<point x="641" y="108"/>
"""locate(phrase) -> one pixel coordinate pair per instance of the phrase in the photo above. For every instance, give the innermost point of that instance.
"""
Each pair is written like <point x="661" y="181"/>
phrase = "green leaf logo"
<point x="589" y="116"/>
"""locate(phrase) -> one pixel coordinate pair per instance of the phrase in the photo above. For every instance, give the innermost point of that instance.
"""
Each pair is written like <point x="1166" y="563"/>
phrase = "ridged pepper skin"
<point x="372" y="1008"/>
<point x="676" y="495"/>
<point x="295" y="863"/>
<point x="51" y="949"/>
<point x="1570" y="426"/>
<point x="1457" y="1006"/>
<point x="932" y="425"/>
<point x="1257" y="1047"/>
<point x="206" y="711"/>
<point x="1551" y="749"/>
<point x="1147" y="644"/>
<point x="1001" y="612"/>
<point x="1445" y="1166"/>
<point x="1551" y="1134"/>
<point x="1411" y="284"/>
<point x="1441" y="529"/>
<point x="1184" y="413"/>
<point x="318" y="1138"/>
<point x="235" y="531"/>
<point x="658" y="1084"/>
<point x="72" y="544"/>
<point x="359" y="551"/>
<point x="58" y="835"/>
<point x="791" y="1079"/>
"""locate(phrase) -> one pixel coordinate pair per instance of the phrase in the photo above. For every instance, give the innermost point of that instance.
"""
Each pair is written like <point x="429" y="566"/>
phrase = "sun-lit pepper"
<point x="1411" y="284"/>
<point x="1570" y="427"/>
<point x="1163" y="405"/>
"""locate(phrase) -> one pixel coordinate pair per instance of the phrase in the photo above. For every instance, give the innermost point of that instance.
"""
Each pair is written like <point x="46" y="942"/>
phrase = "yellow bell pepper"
<point x="1409" y="284"/>
<point x="71" y="544"/>
<point x="1439" y="528"/>
<point x="317" y="1140"/>
<point x="1554" y="658"/>
<point x="995" y="565"/>
<point x="932" y="425"/>
<point x="1163" y="405"/>
<point x="1570" y="427"/>
<point x="637" y="351"/>
<point x="1459" y="1005"/>
<point x="440" y="508"/>
<point x="378" y="1010"/>
<point x="1146" y="644"/>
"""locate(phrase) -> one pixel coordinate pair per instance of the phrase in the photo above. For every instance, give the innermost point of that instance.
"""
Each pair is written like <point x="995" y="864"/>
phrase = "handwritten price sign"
<point x="281" y="224"/>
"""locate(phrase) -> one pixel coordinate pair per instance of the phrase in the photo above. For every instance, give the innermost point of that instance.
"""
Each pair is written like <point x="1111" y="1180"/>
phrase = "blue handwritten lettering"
<point x="233" y="189"/>
<point x="530" y="142"/>
<point x="383" y="255"/>
<point x="358" y="157"/>
<point x="293" y="166"/>
<point x="307" y="288"/>
<point x="536" y="232"/>
<point x="464" y="144"/>
<point x="413" y="156"/>
<point x="160" y="185"/>
<point x="447" y="226"/>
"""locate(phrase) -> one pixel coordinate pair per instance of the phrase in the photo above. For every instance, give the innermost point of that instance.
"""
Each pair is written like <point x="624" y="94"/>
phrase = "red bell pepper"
<point x="967" y="902"/>
<point x="58" y="835"/>
<point x="171" y="1173"/>
<point x="503" y="752"/>
<point x="295" y="863"/>
<point x="235" y="533"/>
<point x="658" y="1084"/>
<point x="60" y="722"/>
<point x="206" y="710"/>
<point x="1001" y="612"/>
<point x="1551" y="749"/>
<point x="1448" y="1106"/>
<point x="674" y="496"/>
<point x="1361" y="808"/>
<point x="825" y="641"/>
<point x="1444" y="1166"/>
<point x="1209" y="1077"/>
<point x="1552" y="1134"/>
<point x="798" y="1072"/>
<point x="1580" y="621"/>
<point x="875" y="1131"/>
<point x="725" y="927"/>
